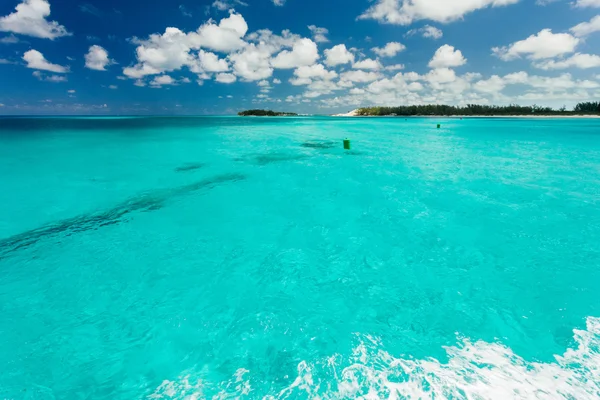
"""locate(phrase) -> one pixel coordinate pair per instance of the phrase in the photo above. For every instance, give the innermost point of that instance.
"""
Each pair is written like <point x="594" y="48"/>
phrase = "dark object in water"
<point x="145" y="202"/>
<point x="318" y="144"/>
<point x="346" y="144"/>
<point x="189" y="167"/>
<point x="269" y="158"/>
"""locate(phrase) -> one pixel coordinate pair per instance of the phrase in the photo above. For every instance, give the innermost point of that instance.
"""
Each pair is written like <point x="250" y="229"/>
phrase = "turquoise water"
<point x="190" y="258"/>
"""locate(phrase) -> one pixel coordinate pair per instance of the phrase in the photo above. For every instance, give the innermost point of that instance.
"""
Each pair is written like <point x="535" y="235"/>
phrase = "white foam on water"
<point x="475" y="370"/>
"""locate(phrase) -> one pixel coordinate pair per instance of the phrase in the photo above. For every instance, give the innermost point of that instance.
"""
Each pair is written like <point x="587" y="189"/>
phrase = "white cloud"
<point x="36" y="60"/>
<point x="394" y="67"/>
<point x="367" y="63"/>
<point x="172" y="50"/>
<point x="431" y="32"/>
<point x="161" y="80"/>
<point x="49" y="78"/>
<point x="264" y="83"/>
<point x="427" y="31"/>
<point x="210" y="62"/>
<point x="279" y="2"/>
<point x="577" y="60"/>
<point x="300" y="81"/>
<point x="113" y="87"/>
<point x="225" y="78"/>
<point x="225" y="37"/>
<point x="5" y="61"/>
<point x="318" y="34"/>
<point x="543" y="45"/>
<point x="97" y="58"/>
<point x="71" y="91"/>
<point x="304" y="52"/>
<point x="314" y="71"/>
<point x="447" y="57"/>
<point x="586" y="28"/>
<point x="30" y="19"/>
<point x="160" y="53"/>
<point x="360" y="76"/>
<point x="389" y="50"/>
<point x="494" y="84"/>
<point x="440" y="75"/>
<point x="276" y="81"/>
<point x="252" y="63"/>
<point x="404" y="12"/>
<point x="338" y="55"/>
<point x="587" y="3"/>
<point x="223" y="5"/>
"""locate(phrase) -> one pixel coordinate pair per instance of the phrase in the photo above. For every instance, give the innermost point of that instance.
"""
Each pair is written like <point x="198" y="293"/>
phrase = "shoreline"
<point x="354" y="113"/>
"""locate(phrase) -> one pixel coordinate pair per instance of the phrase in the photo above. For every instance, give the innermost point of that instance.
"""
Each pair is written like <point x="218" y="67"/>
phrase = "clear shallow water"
<point x="188" y="258"/>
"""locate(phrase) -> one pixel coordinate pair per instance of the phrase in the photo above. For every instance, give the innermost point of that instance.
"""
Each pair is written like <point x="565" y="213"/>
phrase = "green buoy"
<point x="346" y="144"/>
<point x="439" y="126"/>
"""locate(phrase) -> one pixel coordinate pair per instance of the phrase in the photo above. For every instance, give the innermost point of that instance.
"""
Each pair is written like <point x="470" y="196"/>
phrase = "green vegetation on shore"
<point x="265" y="113"/>
<point x="476" y="109"/>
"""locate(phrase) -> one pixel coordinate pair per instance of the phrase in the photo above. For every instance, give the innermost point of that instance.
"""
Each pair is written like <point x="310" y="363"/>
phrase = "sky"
<point x="199" y="57"/>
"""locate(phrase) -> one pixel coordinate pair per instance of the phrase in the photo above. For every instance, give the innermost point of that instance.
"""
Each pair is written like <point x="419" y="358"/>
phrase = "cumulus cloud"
<point x="225" y="37"/>
<point x="172" y="50"/>
<point x="162" y="80"/>
<point x="404" y="12"/>
<point x="30" y="19"/>
<point x="304" y="52"/>
<point x="586" y="28"/>
<point x="225" y="78"/>
<point x="577" y="60"/>
<point x="394" y="67"/>
<point x="279" y="2"/>
<point x="338" y="55"/>
<point x="253" y="63"/>
<point x="36" y="60"/>
<point x="545" y="44"/>
<point x="389" y="50"/>
<point x="367" y="63"/>
<point x="210" y="62"/>
<point x="97" y="58"/>
<point x="113" y="87"/>
<point x="276" y="81"/>
<point x="494" y="84"/>
<point x="447" y="57"/>
<point x="360" y="76"/>
<point x="427" y="31"/>
<point x="318" y="34"/>
<point x="314" y="71"/>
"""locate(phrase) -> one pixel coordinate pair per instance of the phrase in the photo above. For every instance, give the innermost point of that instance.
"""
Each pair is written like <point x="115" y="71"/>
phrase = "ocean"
<point x="229" y="257"/>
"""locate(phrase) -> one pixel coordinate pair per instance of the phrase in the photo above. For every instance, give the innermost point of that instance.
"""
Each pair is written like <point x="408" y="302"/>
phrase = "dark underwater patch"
<point x="146" y="202"/>
<point x="189" y="167"/>
<point x="270" y="158"/>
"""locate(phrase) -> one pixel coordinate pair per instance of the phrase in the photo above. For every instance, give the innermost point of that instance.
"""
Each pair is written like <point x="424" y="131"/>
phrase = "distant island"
<point x="588" y="108"/>
<point x="265" y="113"/>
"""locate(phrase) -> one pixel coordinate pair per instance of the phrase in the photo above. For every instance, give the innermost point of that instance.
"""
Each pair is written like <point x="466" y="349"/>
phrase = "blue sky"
<point x="218" y="57"/>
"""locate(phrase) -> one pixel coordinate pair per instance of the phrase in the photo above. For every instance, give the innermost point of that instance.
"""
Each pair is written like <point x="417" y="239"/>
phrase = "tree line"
<point x="265" y="113"/>
<point x="478" y="109"/>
